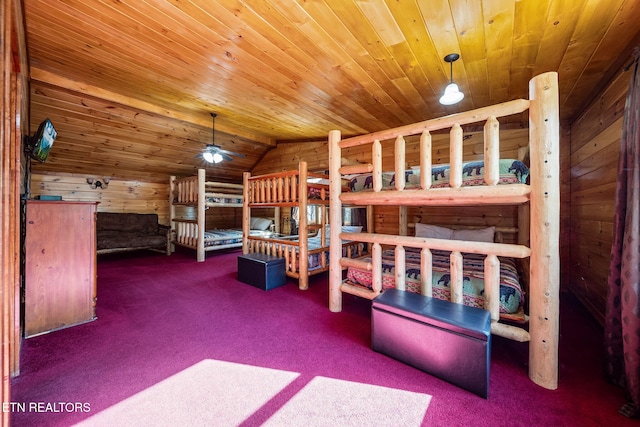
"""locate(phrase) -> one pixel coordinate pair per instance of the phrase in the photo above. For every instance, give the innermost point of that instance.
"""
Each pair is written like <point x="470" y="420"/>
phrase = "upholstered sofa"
<point x="131" y="231"/>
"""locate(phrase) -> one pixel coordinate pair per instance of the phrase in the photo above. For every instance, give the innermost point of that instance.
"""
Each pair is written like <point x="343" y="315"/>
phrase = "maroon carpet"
<point x="177" y="338"/>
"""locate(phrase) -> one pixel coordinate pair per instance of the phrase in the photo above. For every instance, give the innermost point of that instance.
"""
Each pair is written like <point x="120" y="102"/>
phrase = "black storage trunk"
<point x="261" y="270"/>
<point x="448" y="340"/>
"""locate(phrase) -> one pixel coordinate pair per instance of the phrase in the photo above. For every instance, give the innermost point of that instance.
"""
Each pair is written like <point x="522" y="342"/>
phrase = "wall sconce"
<point x="96" y="183"/>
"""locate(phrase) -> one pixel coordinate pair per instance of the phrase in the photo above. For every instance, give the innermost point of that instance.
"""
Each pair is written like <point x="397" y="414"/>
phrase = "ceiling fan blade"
<point x="231" y="153"/>
<point x="225" y="156"/>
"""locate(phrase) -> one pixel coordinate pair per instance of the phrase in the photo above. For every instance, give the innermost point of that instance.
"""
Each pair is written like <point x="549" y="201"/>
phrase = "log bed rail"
<point x="541" y="195"/>
<point x="187" y="190"/>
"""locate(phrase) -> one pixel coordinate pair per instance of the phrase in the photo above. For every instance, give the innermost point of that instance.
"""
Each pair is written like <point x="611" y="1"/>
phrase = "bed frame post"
<point x="276" y="220"/>
<point x="544" y="129"/>
<point x="303" y="259"/>
<point x="246" y="212"/>
<point x="335" y="221"/>
<point x="202" y="220"/>
<point x="172" y="212"/>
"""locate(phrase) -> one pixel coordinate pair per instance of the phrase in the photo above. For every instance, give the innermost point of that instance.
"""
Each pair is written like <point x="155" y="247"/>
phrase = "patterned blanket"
<point x="511" y="172"/>
<point x="511" y="293"/>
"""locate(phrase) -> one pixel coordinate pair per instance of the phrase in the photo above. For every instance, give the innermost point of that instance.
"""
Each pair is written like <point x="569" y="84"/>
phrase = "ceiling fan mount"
<point x="214" y="153"/>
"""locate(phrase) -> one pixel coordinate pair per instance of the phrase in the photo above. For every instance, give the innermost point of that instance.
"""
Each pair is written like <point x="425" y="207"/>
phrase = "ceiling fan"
<point x="214" y="153"/>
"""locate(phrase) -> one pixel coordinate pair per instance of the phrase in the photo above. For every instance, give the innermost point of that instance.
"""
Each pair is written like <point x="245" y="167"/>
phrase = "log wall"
<point x="287" y="156"/>
<point x="126" y="196"/>
<point x="595" y="144"/>
<point x="134" y="196"/>
<point x="119" y="196"/>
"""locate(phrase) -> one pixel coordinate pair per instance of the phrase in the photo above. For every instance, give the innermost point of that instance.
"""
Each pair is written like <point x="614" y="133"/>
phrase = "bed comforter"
<point x="511" y="292"/>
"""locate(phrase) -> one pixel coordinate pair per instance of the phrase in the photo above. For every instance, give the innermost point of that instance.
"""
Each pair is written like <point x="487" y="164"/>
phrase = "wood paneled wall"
<point x="126" y="196"/>
<point x="119" y="196"/>
<point x="287" y="155"/>
<point x="595" y="144"/>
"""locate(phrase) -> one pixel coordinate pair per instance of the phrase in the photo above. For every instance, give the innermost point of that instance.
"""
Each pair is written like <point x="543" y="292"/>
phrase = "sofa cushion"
<point x="111" y="240"/>
<point x="127" y="222"/>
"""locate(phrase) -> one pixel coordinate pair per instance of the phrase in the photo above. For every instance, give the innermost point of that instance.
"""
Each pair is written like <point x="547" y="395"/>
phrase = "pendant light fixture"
<point x="211" y="154"/>
<point x="452" y="94"/>
<point x="214" y="153"/>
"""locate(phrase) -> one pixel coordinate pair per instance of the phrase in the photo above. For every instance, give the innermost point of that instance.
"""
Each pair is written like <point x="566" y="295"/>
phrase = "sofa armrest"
<point x="165" y="230"/>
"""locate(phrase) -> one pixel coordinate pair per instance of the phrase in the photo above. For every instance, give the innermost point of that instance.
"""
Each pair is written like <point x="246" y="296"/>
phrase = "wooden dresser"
<point x="60" y="265"/>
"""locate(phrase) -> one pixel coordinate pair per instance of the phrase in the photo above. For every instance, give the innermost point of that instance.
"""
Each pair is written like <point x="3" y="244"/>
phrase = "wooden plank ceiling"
<point x="130" y="85"/>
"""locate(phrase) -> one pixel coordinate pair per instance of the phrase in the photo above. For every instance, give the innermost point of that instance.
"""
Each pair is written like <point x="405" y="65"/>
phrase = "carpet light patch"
<point x="211" y="392"/>
<point x="326" y="401"/>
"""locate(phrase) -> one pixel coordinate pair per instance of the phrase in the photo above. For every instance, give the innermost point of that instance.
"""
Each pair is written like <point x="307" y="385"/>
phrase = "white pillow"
<point x="433" y="231"/>
<point x="477" y="235"/>
<point x="260" y="223"/>
<point x="351" y="228"/>
<point x="472" y="235"/>
<point x="345" y="229"/>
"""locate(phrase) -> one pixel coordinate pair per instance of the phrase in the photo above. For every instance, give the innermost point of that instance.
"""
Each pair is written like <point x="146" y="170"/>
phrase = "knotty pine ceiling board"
<point x="130" y="85"/>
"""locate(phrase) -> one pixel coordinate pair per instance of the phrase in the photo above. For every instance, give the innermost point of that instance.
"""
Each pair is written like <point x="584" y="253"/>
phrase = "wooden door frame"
<point x="15" y="116"/>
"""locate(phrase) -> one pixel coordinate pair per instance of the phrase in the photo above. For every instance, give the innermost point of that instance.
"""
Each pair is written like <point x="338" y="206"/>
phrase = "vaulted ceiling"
<point x="130" y="85"/>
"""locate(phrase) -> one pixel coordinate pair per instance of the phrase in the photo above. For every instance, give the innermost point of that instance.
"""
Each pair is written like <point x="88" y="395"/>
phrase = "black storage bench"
<point x="450" y="341"/>
<point x="261" y="270"/>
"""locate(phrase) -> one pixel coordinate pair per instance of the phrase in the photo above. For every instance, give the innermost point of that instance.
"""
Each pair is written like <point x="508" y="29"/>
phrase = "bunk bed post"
<point x="544" y="132"/>
<point x="455" y="155"/>
<point x="246" y="212"/>
<point x="276" y="220"/>
<point x="335" y="220"/>
<point x="303" y="280"/>
<point x="202" y="220"/>
<point x="492" y="151"/>
<point x="425" y="159"/>
<point x="172" y="211"/>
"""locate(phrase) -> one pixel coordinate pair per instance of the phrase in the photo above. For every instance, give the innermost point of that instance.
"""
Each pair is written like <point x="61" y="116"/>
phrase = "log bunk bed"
<point x="538" y="217"/>
<point x="190" y="197"/>
<point x="306" y="253"/>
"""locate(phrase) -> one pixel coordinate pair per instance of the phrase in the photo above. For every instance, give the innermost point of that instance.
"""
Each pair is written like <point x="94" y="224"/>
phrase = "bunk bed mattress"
<point x="511" y="172"/>
<point x="511" y="293"/>
<point x="221" y="237"/>
<point x="227" y="200"/>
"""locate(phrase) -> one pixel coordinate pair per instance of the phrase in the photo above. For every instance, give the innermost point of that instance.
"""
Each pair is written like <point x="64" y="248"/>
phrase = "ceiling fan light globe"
<point x="216" y="157"/>
<point x="207" y="156"/>
<point x="452" y="95"/>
